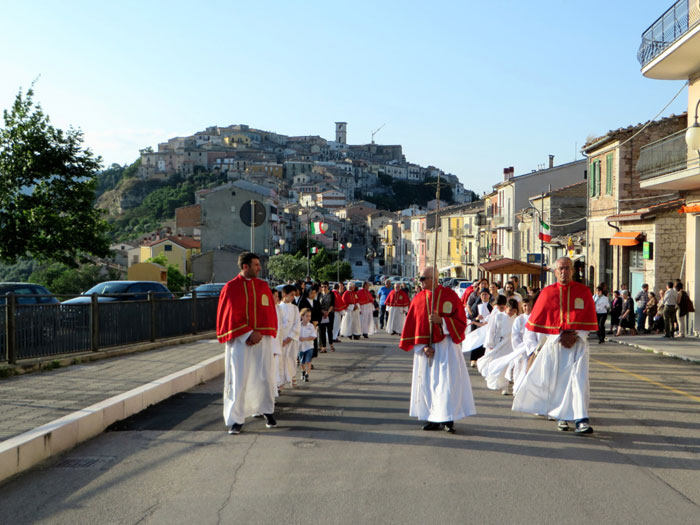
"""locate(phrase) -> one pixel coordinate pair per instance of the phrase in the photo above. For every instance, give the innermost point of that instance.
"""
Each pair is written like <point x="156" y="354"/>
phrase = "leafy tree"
<point x="300" y="247"/>
<point x="319" y="260"/>
<point x="330" y="272"/>
<point x="19" y="271"/>
<point x="62" y="279"/>
<point x="287" y="267"/>
<point x="177" y="282"/>
<point x="47" y="187"/>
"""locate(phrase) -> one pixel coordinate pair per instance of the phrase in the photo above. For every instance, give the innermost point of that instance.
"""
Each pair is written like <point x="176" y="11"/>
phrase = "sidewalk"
<point x="686" y="348"/>
<point x="47" y="412"/>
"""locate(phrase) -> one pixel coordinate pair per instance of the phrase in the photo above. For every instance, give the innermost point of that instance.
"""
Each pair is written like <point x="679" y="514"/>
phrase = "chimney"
<point x="551" y="161"/>
<point x="506" y="173"/>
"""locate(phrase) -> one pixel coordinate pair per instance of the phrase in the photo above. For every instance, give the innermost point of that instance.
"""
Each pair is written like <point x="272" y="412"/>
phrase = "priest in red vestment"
<point x="366" y="302"/>
<point x="441" y="392"/>
<point x="246" y="321"/>
<point x="397" y="303"/>
<point x="339" y="309"/>
<point x="351" y="326"/>
<point x="557" y="383"/>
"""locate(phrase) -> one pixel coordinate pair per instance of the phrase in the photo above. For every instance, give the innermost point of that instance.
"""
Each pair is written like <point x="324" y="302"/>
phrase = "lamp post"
<point x="267" y="261"/>
<point x="692" y="134"/>
<point x="308" y="258"/>
<point x="281" y="248"/>
<point x="522" y="227"/>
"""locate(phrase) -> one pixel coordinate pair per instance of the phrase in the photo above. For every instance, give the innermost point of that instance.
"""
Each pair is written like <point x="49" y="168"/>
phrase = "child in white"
<point x="498" y="343"/>
<point x="307" y="336"/>
<point x="288" y="335"/>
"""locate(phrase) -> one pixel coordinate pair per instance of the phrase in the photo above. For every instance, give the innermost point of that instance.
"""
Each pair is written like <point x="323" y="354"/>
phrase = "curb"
<point x="655" y="351"/>
<point x="26" y="450"/>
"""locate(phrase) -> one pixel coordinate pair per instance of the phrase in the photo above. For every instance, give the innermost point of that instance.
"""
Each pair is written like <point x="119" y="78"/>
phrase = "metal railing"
<point x="44" y="330"/>
<point x="668" y="28"/>
<point x="667" y="155"/>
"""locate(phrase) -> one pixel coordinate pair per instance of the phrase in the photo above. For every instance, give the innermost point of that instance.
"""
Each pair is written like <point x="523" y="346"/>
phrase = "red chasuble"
<point x="416" y="329"/>
<point x="466" y="294"/>
<point x="339" y="303"/>
<point x="397" y="299"/>
<point x="364" y="297"/>
<point x="244" y="305"/>
<point x="350" y="298"/>
<point x="563" y="307"/>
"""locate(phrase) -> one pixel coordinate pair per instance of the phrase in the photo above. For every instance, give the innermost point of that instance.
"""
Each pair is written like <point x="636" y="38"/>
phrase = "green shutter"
<point x="591" y="179"/>
<point x="609" y="174"/>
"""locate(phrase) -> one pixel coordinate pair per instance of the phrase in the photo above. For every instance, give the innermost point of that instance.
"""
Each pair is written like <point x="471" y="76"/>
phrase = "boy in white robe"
<point x="288" y="315"/>
<point x="498" y="344"/>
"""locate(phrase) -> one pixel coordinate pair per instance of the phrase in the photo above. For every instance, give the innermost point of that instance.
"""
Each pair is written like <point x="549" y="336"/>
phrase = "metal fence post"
<point x="152" y="303"/>
<point x="11" y="328"/>
<point x="194" y="311"/>
<point x="94" y="323"/>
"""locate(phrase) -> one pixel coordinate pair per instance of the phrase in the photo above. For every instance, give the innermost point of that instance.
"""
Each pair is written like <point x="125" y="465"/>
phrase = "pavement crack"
<point x="234" y="480"/>
<point x="148" y="512"/>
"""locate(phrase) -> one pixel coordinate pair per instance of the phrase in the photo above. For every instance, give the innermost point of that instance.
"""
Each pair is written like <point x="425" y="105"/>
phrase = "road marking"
<point x="642" y="378"/>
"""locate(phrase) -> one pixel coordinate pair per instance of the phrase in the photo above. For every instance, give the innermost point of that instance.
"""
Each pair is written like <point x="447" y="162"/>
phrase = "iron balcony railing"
<point x="667" y="155"/>
<point x="43" y="330"/>
<point x="669" y="27"/>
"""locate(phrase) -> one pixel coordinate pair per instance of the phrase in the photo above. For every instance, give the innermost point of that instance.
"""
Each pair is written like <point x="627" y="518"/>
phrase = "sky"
<point x="469" y="87"/>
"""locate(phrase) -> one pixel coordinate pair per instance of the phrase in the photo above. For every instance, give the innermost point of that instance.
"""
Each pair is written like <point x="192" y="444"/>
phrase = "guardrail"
<point x="668" y="28"/>
<point x="43" y="330"/>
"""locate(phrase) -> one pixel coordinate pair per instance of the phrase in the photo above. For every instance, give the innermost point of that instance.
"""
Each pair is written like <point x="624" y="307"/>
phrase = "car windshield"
<point x="209" y="288"/>
<point x="107" y="288"/>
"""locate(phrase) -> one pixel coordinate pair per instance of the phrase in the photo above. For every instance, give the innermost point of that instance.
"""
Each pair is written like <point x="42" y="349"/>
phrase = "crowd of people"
<point x="664" y="312"/>
<point x="535" y="341"/>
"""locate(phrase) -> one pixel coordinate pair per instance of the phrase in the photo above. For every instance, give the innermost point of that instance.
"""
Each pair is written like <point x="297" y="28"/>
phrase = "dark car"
<point x="206" y="290"/>
<point x="27" y="293"/>
<point x="112" y="291"/>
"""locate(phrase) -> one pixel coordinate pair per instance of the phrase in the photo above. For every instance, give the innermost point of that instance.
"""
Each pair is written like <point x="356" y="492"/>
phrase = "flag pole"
<point x="435" y="269"/>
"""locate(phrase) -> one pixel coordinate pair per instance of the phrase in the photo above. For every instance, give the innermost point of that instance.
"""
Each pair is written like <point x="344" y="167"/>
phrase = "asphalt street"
<point x="345" y="451"/>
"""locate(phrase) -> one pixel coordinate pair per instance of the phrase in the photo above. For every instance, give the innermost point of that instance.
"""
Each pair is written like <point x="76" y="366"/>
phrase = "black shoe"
<point x="270" y="421"/>
<point x="235" y="428"/>
<point x="365" y="336"/>
<point x="356" y="337"/>
<point x="306" y="379"/>
<point x="450" y="427"/>
<point x="433" y="426"/>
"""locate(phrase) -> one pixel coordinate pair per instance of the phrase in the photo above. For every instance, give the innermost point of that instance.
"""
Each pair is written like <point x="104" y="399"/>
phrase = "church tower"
<point x="341" y="132"/>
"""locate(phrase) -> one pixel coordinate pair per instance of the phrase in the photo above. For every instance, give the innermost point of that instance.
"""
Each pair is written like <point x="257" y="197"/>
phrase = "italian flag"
<point x="316" y="229"/>
<point x="545" y="234"/>
<point x="341" y="247"/>
<point x="314" y="250"/>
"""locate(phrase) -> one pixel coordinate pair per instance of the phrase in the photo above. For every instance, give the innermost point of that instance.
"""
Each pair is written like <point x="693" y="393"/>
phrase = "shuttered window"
<point x="609" y="174"/>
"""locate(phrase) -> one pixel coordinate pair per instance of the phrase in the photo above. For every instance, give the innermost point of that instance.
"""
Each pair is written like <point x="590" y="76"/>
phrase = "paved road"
<point x="346" y="451"/>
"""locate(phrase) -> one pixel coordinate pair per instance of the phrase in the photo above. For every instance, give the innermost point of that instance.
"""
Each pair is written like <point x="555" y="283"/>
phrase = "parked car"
<point x="112" y="291"/>
<point x="206" y="290"/>
<point x="461" y="286"/>
<point x="26" y="293"/>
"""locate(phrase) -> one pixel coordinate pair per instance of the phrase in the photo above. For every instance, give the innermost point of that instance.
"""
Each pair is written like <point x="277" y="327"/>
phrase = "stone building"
<point x="618" y="207"/>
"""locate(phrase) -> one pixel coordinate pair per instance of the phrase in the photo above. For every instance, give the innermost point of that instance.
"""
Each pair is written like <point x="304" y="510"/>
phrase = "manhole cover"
<point x="88" y="463"/>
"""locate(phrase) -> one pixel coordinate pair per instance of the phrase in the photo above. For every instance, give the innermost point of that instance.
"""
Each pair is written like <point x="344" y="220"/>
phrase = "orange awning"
<point x="690" y="208"/>
<point x="625" y="239"/>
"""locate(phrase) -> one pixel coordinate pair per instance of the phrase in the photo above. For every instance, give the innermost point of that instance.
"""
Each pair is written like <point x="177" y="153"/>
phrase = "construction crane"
<point x="377" y="131"/>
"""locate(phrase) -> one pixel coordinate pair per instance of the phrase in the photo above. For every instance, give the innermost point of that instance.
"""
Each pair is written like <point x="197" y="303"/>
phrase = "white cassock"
<point x="397" y="317"/>
<point x="367" y="318"/>
<point x="249" y="379"/>
<point x="442" y="391"/>
<point x="351" y="324"/>
<point x="476" y="338"/>
<point x="337" y="321"/>
<point x="290" y="324"/>
<point x="277" y="353"/>
<point x="497" y="345"/>
<point x="557" y="382"/>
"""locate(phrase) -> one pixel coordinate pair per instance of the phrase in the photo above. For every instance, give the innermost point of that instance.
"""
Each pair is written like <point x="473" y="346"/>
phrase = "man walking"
<point x="246" y="321"/>
<point x="382" y="294"/>
<point x="670" y="303"/>
<point x="557" y="383"/>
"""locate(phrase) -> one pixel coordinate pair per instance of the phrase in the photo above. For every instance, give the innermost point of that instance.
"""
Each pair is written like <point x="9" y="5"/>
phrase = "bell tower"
<point x="341" y="132"/>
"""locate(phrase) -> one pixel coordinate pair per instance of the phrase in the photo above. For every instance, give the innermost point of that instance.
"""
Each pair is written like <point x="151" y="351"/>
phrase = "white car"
<point x="461" y="286"/>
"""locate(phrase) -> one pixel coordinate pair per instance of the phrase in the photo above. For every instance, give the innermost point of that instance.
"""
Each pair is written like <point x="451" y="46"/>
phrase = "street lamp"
<point x="281" y="241"/>
<point x="523" y="227"/>
<point x="692" y="134"/>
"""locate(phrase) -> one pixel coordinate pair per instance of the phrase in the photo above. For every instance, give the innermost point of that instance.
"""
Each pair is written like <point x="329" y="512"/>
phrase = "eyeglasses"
<point x="422" y="278"/>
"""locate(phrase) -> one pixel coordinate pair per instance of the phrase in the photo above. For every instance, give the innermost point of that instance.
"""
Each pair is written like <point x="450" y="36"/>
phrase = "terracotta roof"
<point x="186" y="242"/>
<point x="648" y="212"/>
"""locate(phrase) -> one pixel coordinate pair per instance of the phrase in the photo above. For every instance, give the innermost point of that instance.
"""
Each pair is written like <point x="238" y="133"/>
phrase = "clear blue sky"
<point x="470" y="87"/>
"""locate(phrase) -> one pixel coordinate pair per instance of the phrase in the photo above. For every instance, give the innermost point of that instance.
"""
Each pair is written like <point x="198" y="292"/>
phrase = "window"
<point x="609" y="174"/>
<point x="594" y="179"/>
<point x="168" y="247"/>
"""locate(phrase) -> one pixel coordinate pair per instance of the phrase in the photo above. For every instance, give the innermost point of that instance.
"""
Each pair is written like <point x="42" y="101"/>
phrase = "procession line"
<point x="642" y="378"/>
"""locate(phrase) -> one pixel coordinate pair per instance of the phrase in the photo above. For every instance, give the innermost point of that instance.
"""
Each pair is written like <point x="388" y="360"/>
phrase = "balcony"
<point x="665" y="164"/>
<point x="670" y="48"/>
<point x="419" y="236"/>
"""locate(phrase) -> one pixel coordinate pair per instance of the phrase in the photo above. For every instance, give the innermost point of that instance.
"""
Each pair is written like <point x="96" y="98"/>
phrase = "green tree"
<point x="59" y="278"/>
<point x="47" y="187"/>
<point x="330" y="272"/>
<point x="318" y="261"/>
<point x="177" y="282"/>
<point x="287" y="267"/>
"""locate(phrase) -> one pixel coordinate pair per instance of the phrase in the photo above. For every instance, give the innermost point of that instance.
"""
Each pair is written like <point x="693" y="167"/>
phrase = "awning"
<point x="625" y="239"/>
<point x="511" y="266"/>
<point x="690" y="208"/>
<point x="448" y="268"/>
